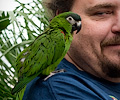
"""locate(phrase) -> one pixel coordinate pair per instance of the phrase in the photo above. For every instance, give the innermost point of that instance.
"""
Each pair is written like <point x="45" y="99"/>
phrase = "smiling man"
<point x="97" y="48"/>
<point x="92" y="63"/>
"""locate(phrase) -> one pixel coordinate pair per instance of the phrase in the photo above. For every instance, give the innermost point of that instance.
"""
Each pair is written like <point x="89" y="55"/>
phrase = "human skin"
<point x="96" y="48"/>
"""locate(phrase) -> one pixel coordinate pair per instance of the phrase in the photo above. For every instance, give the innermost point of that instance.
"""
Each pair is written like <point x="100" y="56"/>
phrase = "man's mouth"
<point x="114" y="42"/>
<point x="113" y="46"/>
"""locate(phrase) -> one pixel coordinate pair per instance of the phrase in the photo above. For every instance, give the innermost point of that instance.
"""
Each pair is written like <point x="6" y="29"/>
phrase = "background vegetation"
<point x="18" y="29"/>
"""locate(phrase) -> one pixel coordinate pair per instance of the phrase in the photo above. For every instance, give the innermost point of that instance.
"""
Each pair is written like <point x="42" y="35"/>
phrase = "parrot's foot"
<point x="55" y="72"/>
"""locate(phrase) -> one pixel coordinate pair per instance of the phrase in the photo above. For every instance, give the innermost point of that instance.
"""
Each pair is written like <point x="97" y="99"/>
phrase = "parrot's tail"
<point x="20" y="94"/>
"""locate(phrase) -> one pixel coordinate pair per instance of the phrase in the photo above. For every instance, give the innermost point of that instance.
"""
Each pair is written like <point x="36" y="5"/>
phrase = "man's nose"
<point x="116" y="26"/>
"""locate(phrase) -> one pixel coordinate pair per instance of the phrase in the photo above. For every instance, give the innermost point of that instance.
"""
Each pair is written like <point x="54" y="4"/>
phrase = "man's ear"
<point x="58" y="12"/>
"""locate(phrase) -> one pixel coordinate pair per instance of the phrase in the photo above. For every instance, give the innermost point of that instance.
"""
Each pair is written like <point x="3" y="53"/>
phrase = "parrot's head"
<point x="67" y="21"/>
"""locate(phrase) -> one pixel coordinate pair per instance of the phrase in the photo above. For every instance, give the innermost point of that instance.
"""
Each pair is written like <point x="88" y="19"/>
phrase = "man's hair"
<point x="57" y="6"/>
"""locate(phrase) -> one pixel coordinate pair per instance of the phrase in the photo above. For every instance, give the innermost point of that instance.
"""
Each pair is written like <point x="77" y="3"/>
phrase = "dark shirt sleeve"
<point x="69" y="87"/>
<point x="37" y="89"/>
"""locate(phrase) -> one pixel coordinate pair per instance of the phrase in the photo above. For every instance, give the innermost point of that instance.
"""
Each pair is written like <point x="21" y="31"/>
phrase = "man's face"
<point x="96" y="48"/>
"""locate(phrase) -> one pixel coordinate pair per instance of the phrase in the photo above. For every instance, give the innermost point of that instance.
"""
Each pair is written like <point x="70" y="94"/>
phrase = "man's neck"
<point x="115" y="80"/>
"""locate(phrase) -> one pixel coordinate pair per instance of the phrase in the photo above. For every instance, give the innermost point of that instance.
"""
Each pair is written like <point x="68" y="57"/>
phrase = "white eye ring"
<point x="70" y="20"/>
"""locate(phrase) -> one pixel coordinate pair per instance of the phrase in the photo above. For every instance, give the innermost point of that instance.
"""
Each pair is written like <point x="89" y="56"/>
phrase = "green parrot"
<point x="47" y="50"/>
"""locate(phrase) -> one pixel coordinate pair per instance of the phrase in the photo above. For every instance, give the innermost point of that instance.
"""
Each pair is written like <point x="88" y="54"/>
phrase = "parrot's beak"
<point x="76" y="26"/>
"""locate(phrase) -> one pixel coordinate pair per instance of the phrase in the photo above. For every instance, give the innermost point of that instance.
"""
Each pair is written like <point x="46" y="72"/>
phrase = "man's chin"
<point x="110" y="68"/>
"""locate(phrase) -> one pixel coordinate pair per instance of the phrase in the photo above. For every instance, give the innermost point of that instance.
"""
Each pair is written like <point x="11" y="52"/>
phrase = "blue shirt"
<point x="71" y="85"/>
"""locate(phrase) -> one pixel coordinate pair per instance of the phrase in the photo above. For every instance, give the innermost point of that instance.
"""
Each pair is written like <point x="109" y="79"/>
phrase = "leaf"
<point x="15" y="35"/>
<point x="4" y="21"/>
<point x="16" y="45"/>
<point x="27" y="18"/>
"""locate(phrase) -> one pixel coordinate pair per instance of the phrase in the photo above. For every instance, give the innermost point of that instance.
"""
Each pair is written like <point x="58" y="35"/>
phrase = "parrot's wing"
<point x="42" y="53"/>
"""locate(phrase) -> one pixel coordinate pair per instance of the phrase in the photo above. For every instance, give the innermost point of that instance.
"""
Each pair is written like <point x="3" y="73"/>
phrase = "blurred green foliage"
<point x="18" y="29"/>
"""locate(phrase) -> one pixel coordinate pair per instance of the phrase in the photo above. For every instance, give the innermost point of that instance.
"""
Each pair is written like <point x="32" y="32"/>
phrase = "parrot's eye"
<point x="70" y="20"/>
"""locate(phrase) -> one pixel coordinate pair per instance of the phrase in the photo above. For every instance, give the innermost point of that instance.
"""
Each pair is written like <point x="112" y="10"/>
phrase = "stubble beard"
<point x="110" y="68"/>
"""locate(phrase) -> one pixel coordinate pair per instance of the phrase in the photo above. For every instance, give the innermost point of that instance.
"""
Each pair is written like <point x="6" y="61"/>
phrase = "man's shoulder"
<point x="71" y="86"/>
<point x="66" y="83"/>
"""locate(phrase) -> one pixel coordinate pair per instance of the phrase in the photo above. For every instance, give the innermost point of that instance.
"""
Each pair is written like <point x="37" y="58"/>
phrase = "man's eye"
<point x="103" y="13"/>
<point x="100" y="13"/>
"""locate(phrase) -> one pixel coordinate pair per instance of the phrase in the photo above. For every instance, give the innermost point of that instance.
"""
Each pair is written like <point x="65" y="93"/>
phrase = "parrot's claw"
<point x="55" y="72"/>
